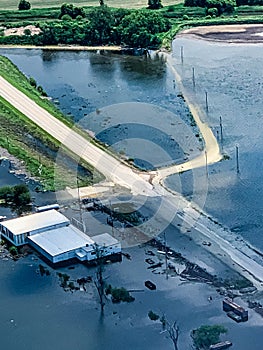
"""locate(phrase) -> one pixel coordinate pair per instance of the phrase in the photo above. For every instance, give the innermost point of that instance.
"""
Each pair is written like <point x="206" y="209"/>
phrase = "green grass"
<point x="12" y="4"/>
<point x="23" y="135"/>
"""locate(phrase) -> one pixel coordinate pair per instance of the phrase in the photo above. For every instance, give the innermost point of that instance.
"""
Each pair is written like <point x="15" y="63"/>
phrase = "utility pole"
<point x="80" y="208"/>
<point x="193" y="77"/>
<point x="206" y="102"/>
<point x="221" y="131"/>
<point x="111" y="220"/>
<point x="237" y="159"/>
<point x="165" y="248"/>
<point x="182" y="54"/>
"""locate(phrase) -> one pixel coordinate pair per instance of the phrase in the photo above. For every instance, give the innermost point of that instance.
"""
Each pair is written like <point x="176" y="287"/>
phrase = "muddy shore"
<point x="242" y="33"/>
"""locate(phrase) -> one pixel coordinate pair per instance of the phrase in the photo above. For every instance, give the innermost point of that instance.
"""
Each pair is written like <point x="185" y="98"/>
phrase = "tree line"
<point x="221" y="6"/>
<point x="100" y="26"/>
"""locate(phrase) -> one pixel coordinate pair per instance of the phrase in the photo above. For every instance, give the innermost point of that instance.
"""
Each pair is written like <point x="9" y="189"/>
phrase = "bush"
<point x="24" y="5"/>
<point x="32" y="82"/>
<point x="153" y="316"/>
<point x="27" y="32"/>
<point x="13" y="250"/>
<point x="185" y="17"/>
<point x="121" y="294"/>
<point x="66" y="18"/>
<point x="213" y="12"/>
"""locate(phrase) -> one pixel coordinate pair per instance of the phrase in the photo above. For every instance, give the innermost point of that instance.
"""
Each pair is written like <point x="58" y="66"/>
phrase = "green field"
<point x="12" y="4"/>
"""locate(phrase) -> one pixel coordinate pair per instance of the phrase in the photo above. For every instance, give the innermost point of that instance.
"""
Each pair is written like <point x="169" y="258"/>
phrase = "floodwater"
<point x="136" y="97"/>
<point x="130" y="103"/>
<point x="232" y="77"/>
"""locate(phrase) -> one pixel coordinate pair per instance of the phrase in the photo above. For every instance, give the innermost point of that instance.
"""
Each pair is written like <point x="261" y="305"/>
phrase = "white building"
<point x="17" y="230"/>
<point x="51" y="234"/>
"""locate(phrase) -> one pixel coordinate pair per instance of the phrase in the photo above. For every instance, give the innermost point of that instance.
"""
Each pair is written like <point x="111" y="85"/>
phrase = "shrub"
<point x="213" y="12"/>
<point x="32" y="82"/>
<point x="13" y="250"/>
<point x="121" y="294"/>
<point x="24" y="5"/>
<point x="66" y="18"/>
<point x="27" y="32"/>
<point x="153" y="316"/>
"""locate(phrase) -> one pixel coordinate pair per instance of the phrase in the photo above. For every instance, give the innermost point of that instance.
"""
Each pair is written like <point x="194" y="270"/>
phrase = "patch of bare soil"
<point x="249" y="33"/>
<point x="21" y="30"/>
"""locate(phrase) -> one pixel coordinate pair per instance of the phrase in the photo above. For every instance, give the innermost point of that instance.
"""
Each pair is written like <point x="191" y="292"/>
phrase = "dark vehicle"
<point x="150" y="285"/>
<point x="230" y="306"/>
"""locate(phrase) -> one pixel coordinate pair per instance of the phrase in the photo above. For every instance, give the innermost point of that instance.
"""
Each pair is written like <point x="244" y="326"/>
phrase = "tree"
<point x="173" y="332"/>
<point x="24" y="5"/>
<point x="101" y="25"/>
<point x="205" y="336"/>
<point x="99" y="280"/>
<point x="141" y="29"/>
<point x="172" y="329"/>
<point x="72" y="11"/>
<point x="21" y="195"/>
<point x="154" y="4"/>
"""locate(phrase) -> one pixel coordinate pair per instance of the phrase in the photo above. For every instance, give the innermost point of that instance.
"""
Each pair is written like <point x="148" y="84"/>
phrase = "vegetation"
<point x="205" y="336"/>
<point x="119" y="294"/>
<point x="172" y="329"/>
<point x="71" y="11"/>
<point x="153" y="316"/>
<point x="145" y="28"/>
<point x="17" y="195"/>
<point x="101" y="26"/>
<point x="32" y="145"/>
<point x="154" y="4"/>
<point x="39" y="4"/>
<point x="13" y="250"/>
<point x="24" y="5"/>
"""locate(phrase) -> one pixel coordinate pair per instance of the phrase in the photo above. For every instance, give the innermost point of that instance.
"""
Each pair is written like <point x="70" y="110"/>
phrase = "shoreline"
<point x="64" y="47"/>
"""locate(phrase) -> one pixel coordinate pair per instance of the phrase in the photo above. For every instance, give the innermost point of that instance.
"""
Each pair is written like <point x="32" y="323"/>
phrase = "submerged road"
<point x="139" y="183"/>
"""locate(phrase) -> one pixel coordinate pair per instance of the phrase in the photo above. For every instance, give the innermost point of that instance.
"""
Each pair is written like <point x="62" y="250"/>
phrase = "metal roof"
<point x="61" y="240"/>
<point x="105" y="239"/>
<point x="34" y="222"/>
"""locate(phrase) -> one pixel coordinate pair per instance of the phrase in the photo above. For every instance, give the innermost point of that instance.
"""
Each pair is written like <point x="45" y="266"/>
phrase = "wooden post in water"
<point x="182" y="54"/>
<point x="237" y="159"/>
<point x="193" y="77"/>
<point x="206" y="102"/>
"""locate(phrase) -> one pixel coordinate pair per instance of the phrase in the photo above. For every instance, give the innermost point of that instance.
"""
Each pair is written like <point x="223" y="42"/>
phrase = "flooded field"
<point x="127" y="99"/>
<point x="130" y="103"/>
<point x="232" y="77"/>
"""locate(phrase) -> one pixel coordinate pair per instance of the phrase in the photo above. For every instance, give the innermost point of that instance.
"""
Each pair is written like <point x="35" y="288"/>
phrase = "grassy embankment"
<point x="37" y="149"/>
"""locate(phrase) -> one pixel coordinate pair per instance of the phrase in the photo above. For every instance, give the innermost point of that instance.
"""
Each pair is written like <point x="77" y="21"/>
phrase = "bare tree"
<point x="99" y="280"/>
<point x="173" y="332"/>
